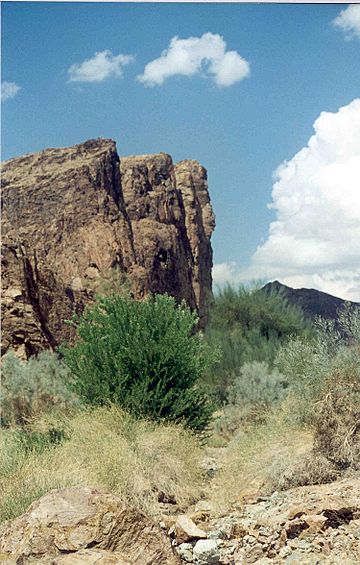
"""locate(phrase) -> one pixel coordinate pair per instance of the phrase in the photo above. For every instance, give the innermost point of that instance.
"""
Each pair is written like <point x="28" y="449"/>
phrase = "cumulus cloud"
<point x="315" y="239"/>
<point x="349" y="21"/>
<point x="205" y="55"/>
<point x="8" y="90"/>
<point x="101" y="66"/>
<point x="223" y="273"/>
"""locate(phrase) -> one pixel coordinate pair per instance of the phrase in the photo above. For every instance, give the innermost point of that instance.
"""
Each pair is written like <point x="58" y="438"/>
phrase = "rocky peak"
<point x="72" y="214"/>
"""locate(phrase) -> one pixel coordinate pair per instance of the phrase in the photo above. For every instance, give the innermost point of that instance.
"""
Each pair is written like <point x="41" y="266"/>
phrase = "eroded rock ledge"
<point x="71" y="215"/>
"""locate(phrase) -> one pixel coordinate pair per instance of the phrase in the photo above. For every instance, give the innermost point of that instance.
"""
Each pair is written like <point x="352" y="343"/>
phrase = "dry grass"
<point x="105" y="449"/>
<point x="257" y="457"/>
<point x="337" y="422"/>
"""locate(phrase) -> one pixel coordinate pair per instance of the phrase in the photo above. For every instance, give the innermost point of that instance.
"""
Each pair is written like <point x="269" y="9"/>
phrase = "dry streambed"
<point x="74" y="526"/>
<point x="306" y="525"/>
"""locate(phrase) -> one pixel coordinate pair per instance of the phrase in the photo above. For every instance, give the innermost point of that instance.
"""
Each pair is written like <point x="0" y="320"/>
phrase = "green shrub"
<point x="324" y="380"/>
<point x="143" y="356"/>
<point x="246" y="308"/>
<point x="248" y="325"/>
<point x="256" y="386"/>
<point x="34" y="386"/>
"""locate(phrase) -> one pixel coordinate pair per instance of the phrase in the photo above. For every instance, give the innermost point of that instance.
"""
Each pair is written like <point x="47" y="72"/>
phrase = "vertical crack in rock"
<point x="81" y="211"/>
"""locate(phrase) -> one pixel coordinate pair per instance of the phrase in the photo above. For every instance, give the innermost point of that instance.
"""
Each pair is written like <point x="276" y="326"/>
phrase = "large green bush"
<point x="143" y="356"/>
<point x="247" y="308"/>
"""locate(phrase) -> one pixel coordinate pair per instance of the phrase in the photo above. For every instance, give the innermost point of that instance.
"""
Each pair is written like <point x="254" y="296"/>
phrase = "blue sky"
<point x="300" y="65"/>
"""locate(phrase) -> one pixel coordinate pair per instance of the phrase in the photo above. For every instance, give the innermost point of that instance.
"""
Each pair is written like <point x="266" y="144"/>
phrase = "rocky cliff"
<point x="71" y="216"/>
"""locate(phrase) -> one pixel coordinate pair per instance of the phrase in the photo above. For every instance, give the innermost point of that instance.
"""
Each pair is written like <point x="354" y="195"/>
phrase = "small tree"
<point x="143" y="356"/>
<point x="248" y="324"/>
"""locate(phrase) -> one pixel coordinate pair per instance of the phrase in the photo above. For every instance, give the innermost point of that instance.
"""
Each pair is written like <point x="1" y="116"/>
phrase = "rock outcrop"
<point x="71" y="216"/>
<point x="306" y="525"/>
<point x="84" y="525"/>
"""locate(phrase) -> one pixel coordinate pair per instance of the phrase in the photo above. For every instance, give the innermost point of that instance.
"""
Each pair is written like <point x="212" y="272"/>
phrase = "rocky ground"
<point x="306" y="525"/>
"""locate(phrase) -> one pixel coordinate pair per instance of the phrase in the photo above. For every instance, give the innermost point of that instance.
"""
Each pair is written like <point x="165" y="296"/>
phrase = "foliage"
<point x="248" y="325"/>
<point x="257" y="386"/>
<point x="311" y="435"/>
<point x="33" y="386"/>
<point x="247" y="308"/>
<point x="324" y="379"/>
<point x="143" y="356"/>
<point x="103" y="447"/>
<point x="337" y="416"/>
<point x="255" y="390"/>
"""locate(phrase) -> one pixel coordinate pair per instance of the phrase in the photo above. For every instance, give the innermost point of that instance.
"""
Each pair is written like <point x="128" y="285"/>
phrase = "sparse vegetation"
<point x="102" y="447"/>
<point x="324" y="380"/>
<point x="248" y="325"/>
<point x="313" y="435"/>
<point x="30" y="388"/>
<point x="288" y="419"/>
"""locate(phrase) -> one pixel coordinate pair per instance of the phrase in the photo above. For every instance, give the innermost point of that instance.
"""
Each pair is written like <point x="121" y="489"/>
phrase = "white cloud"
<point x="223" y="273"/>
<point x="205" y="55"/>
<point x="101" y="66"/>
<point x="8" y="90"/>
<point x="315" y="240"/>
<point x="349" y="21"/>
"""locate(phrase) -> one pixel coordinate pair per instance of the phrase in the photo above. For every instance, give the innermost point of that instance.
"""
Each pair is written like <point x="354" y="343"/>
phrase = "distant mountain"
<point x="312" y="302"/>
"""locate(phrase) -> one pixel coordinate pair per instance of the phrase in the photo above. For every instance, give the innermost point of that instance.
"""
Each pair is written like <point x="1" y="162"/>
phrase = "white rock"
<point x="185" y="530"/>
<point x="207" y="551"/>
<point x="203" y="506"/>
<point x="185" y="551"/>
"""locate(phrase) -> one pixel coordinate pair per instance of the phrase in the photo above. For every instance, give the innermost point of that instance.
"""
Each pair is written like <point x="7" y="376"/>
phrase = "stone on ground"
<point x="71" y="521"/>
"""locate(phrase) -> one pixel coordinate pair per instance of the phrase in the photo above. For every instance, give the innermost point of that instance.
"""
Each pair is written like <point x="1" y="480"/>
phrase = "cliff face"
<point x="72" y="215"/>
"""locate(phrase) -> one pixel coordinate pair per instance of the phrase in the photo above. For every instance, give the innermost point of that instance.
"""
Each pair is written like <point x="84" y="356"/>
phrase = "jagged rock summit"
<point x="72" y="215"/>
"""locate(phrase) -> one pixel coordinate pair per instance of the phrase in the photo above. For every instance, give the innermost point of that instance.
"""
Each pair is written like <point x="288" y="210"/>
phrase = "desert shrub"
<point x="337" y="418"/>
<point x="34" y="386"/>
<point x="143" y="356"/>
<point x="324" y="380"/>
<point x="295" y="470"/>
<point x="106" y="448"/>
<point x="349" y="321"/>
<point x="257" y="385"/>
<point x="254" y="391"/>
<point x="313" y="434"/>
<point x="248" y="325"/>
<point x="245" y="308"/>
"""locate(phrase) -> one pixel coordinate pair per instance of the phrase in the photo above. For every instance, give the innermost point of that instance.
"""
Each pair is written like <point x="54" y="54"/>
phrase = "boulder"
<point x="185" y="530"/>
<point x="185" y="551"/>
<point x="207" y="552"/>
<point x="64" y="525"/>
